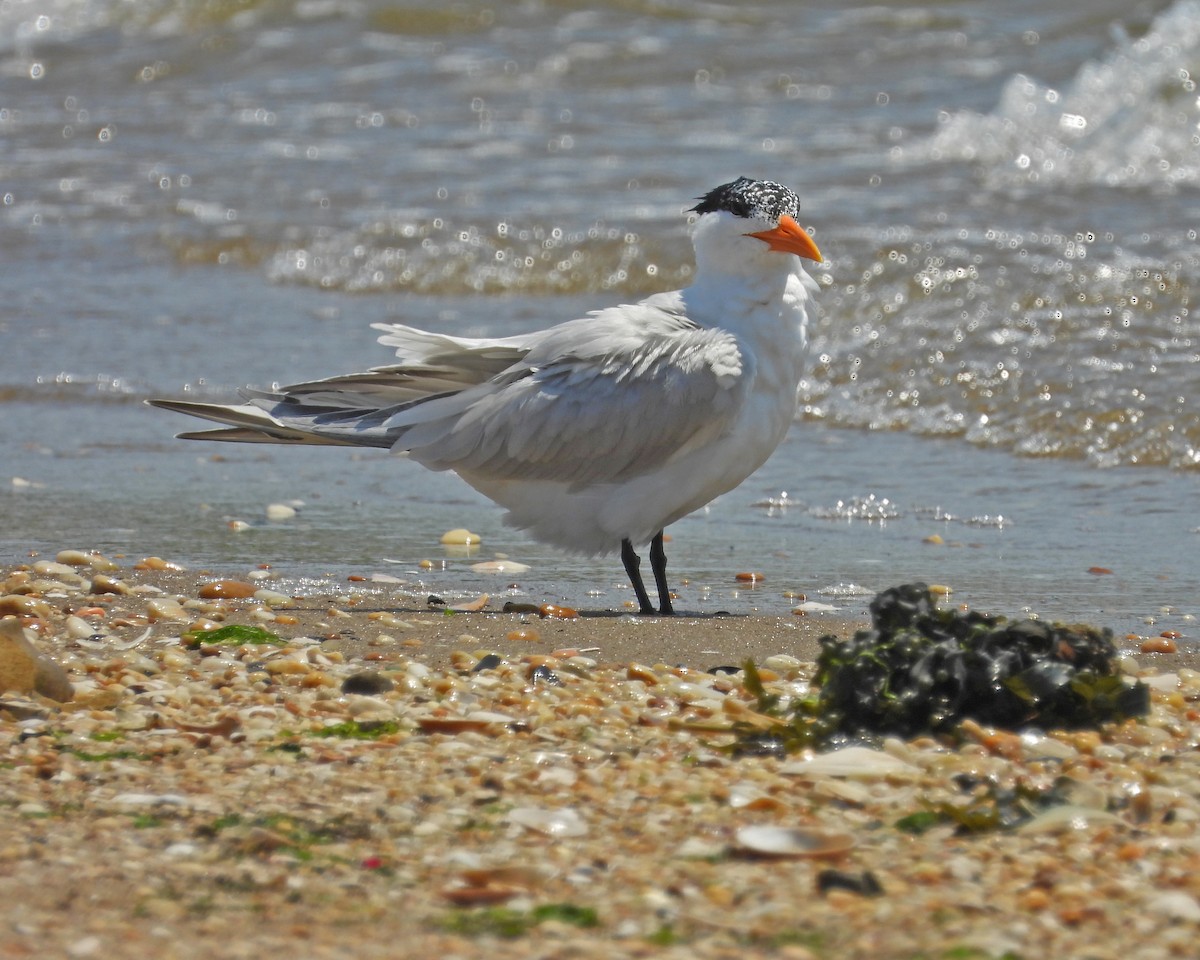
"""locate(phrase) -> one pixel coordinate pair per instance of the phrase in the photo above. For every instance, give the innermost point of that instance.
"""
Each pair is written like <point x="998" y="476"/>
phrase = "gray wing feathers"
<point x="593" y="400"/>
<point x="582" y="420"/>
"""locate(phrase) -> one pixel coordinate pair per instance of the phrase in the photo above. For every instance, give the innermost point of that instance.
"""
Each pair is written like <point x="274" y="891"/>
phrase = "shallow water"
<point x="195" y="196"/>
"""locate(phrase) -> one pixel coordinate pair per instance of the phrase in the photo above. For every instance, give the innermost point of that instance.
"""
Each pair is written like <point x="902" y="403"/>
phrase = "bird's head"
<point x="761" y="209"/>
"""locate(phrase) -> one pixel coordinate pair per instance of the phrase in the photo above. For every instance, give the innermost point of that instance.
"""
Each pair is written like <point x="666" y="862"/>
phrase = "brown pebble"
<point x="746" y="577"/>
<point x="24" y="669"/>
<point x="479" y="896"/>
<point x="157" y="563"/>
<point x="556" y="612"/>
<point x="524" y="635"/>
<point x="636" y="671"/>
<point x="226" y="590"/>
<point x="1099" y="571"/>
<point x="1171" y="634"/>
<point x="1158" y="645"/>
<point x="21" y="605"/>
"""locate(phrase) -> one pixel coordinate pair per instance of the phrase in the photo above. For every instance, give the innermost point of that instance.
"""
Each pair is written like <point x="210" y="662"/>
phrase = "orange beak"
<point x="790" y="237"/>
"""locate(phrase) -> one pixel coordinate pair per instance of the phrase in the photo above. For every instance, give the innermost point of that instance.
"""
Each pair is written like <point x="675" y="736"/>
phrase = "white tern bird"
<point x="596" y="433"/>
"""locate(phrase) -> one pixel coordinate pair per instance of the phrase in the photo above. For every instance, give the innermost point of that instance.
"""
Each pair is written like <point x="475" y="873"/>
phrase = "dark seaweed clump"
<point x="923" y="670"/>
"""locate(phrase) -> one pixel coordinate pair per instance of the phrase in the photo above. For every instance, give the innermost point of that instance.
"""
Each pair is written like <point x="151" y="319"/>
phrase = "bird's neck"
<point x="774" y="291"/>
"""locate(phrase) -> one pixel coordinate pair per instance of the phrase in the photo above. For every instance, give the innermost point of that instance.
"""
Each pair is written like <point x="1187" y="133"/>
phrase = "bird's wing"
<point x="429" y="364"/>
<point x="595" y="400"/>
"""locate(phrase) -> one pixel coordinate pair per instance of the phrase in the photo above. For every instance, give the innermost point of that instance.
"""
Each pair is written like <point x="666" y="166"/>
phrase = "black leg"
<point x="632" y="563"/>
<point x="658" y="563"/>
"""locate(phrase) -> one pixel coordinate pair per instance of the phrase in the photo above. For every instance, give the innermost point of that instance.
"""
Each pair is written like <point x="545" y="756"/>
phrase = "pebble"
<point x="272" y="598"/>
<point x="368" y="683"/>
<point x="280" y="511"/>
<point x="226" y="590"/>
<point x="19" y="605"/>
<point x="500" y="566"/>
<point x="158" y="563"/>
<point x="460" y="537"/>
<point x="52" y="568"/>
<point x="24" y="669"/>
<point x="102" y="584"/>
<point x="165" y="608"/>
<point x="562" y="822"/>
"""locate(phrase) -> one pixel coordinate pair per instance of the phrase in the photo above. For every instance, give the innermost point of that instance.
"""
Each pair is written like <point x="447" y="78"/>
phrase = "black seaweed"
<point x="921" y="670"/>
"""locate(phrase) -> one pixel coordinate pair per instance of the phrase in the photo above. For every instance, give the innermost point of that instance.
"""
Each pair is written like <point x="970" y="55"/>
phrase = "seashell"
<point x="773" y="841"/>
<point x="1068" y="817"/>
<point x="560" y="822"/>
<point x="814" y="606"/>
<point x="478" y="722"/>
<point x="746" y="796"/>
<point x="471" y="605"/>
<point x="858" y="762"/>
<point x="637" y="671"/>
<point x="500" y="566"/>
<point x="1175" y="904"/>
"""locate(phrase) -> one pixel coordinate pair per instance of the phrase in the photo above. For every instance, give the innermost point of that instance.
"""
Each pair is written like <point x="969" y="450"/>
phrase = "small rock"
<point x="461" y="537"/>
<point x="19" y="605"/>
<point x="24" y="670"/>
<point x="102" y="584"/>
<point x="367" y="683"/>
<point x="280" y="511"/>
<point x="226" y="590"/>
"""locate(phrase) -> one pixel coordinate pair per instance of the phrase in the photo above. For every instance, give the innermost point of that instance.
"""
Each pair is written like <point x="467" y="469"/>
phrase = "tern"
<point x="597" y="433"/>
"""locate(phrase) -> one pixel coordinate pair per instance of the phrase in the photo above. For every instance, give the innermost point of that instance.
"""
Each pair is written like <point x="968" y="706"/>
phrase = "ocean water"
<point x="197" y="195"/>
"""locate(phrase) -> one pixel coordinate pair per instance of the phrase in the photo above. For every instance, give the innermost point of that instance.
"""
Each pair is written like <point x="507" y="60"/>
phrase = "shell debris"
<point x="314" y="770"/>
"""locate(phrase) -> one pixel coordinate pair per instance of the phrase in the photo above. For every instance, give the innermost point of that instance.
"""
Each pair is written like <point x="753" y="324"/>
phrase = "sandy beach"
<point x="393" y="780"/>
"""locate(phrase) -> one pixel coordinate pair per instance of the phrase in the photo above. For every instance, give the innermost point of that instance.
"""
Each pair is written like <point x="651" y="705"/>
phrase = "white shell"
<point x="1068" y="817"/>
<point x="773" y="841"/>
<point x="859" y="762"/>
<point x="560" y="822"/>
